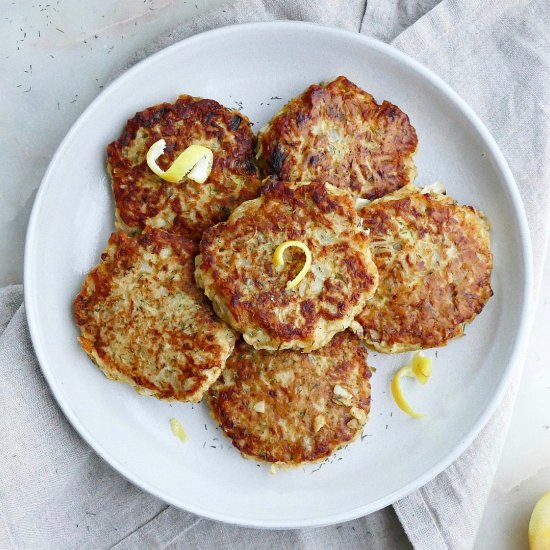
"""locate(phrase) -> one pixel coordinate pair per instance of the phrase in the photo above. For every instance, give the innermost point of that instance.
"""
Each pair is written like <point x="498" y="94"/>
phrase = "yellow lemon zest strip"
<point x="279" y="260"/>
<point x="195" y="163"/>
<point x="177" y="430"/>
<point x="539" y="524"/>
<point x="419" y="367"/>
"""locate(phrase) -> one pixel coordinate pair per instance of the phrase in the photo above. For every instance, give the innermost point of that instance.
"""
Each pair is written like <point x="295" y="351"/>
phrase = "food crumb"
<point x="178" y="431"/>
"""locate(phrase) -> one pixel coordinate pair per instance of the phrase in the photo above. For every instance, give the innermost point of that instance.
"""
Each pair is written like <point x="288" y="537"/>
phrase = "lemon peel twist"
<point x="194" y="163"/>
<point x="279" y="261"/>
<point x="419" y="367"/>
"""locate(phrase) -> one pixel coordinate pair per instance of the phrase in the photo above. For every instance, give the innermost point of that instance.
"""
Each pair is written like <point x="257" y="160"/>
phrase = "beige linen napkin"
<point x="56" y="493"/>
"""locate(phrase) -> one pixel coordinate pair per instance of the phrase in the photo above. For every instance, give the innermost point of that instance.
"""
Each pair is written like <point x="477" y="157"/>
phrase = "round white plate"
<point x="260" y="67"/>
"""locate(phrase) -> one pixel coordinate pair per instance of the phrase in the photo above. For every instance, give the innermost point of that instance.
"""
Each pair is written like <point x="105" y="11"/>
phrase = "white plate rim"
<point x="525" y="315"/>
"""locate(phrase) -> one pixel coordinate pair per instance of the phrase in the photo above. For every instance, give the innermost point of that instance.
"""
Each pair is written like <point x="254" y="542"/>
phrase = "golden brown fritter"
<point x="186" y="208"/>
<point x="235" y="266"/>
<point x="289" y="407"/>
<point x="434" y="261"/>
<point x="338" y="133"/>
<point x="143" y="321"/>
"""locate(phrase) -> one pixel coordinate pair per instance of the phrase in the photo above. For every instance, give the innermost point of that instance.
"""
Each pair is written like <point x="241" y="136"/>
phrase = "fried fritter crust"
<point x="235" y="266"/>
<point x="289" y="407"/>
<point x="186" y="208"/>
<point x="144" y="322"/>
<point x="338" y="133"/>
<point x="434" y="260"/>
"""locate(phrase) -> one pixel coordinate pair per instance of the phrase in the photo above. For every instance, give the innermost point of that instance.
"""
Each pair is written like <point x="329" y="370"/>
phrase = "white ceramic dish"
<point x="260" y="66"/>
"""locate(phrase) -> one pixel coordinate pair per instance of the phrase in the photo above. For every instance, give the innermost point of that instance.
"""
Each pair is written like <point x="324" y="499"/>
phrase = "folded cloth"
<point x="56" y="493"/>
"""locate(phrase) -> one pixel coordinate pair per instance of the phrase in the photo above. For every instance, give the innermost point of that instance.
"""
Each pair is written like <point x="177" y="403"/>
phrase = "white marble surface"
<point x="57" y="57"/>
